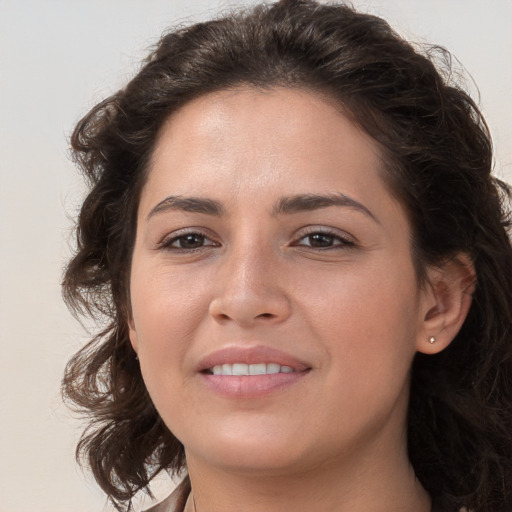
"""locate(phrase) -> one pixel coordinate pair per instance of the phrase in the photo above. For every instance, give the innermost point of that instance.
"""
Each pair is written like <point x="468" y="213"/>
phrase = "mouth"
<point x="247" y="360"/>
<point x="246" y="372"/>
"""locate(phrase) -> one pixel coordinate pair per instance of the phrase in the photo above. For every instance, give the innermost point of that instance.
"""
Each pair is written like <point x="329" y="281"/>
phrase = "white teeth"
<point x="226" y="369"/>
<point x="258" y="369"/>
<point x="240" y="369"/>
<point x="273" y="368"/>
<point x="250" y="369"/>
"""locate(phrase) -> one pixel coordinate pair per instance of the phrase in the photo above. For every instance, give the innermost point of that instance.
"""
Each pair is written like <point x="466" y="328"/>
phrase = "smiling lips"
<point x="249" y="372"/>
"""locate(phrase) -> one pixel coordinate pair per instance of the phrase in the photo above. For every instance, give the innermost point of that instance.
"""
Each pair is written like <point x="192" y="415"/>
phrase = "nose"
<point x="250" y="289"/>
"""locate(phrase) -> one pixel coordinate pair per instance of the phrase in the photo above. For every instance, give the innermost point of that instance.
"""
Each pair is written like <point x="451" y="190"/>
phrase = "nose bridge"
<point x="250" y="287"/>
<point x="252" y="263"/>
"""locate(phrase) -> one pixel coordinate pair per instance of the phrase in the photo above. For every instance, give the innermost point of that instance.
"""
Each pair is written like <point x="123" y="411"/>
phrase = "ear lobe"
<point x="447" y="300"/>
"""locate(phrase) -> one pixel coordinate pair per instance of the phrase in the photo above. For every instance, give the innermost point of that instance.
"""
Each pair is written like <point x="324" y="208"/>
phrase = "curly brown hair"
<point x="438" y="158"/>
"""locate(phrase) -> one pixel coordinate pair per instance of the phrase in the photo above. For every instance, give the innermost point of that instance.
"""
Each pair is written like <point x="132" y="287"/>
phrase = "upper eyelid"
<point x="299" y="234"/>
<point x="175" y="235"/>
<point x="311" y="230"/>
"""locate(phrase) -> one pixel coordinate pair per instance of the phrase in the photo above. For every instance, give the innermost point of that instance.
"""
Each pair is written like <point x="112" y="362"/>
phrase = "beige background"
<point x="57" y="58"/>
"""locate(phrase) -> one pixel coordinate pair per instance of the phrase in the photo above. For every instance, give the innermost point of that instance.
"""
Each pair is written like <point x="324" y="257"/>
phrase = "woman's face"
<point x="275" y="306"/>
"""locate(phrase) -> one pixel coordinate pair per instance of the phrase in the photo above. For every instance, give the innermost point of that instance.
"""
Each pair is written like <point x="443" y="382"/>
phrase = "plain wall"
<point x="57" y="59"/>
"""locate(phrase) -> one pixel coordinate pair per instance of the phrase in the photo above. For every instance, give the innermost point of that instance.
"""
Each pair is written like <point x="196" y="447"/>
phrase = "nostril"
<point x="247" y="307"/>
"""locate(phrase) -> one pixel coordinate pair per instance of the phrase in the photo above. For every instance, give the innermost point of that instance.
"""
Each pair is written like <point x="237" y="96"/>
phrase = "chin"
<point x="253" y="461"/>
<point x="248" y="449"/>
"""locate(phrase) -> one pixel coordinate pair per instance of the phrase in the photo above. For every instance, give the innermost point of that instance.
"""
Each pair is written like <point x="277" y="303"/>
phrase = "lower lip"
<point x="251" y="386"/>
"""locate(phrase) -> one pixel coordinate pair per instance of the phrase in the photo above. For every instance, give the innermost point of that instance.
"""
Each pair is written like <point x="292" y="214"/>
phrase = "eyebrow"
<point x="188" y="204"/>
<point x="307" y="202"/>
<point x="285" y="205"/>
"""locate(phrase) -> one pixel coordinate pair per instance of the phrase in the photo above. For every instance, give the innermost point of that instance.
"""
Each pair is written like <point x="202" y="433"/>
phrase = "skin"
<point x="346" y="302"/>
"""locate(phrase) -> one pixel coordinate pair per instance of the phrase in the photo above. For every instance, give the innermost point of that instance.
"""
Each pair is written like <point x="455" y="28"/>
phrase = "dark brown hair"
<point x="438" y="159"/>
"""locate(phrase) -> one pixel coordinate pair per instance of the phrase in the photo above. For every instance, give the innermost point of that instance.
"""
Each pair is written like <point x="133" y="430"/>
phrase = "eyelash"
<point x="338" y="242"/>
<point x="344" y="242"/>
<point x="167" y="243"/>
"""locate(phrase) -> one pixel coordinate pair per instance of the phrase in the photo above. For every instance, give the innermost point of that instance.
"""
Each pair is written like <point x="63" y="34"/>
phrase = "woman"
<point x="302" y="257"/>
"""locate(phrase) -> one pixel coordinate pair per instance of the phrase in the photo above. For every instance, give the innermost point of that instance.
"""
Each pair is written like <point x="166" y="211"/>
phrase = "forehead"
<point x="250" y="137"/>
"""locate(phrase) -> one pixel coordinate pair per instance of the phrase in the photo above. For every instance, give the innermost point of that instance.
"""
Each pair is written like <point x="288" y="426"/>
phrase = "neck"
<point x="365" y="486"/>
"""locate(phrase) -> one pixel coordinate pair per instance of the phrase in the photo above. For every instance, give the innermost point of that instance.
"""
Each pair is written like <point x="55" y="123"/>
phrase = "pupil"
<point x="320" y="240"/>
<point x="191" y="241"/>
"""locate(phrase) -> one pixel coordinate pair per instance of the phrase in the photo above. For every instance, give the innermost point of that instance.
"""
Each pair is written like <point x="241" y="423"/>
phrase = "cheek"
<point x="367" y="318"/>
<point x="165" y="313"/>
<point x="367" y="328"/>
<point x="163" y="299"/>
<point x="167" y="308"/>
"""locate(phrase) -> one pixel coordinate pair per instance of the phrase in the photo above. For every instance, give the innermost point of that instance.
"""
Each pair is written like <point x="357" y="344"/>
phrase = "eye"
<point x="187" y="242"/>
<point x="325" y="240"/>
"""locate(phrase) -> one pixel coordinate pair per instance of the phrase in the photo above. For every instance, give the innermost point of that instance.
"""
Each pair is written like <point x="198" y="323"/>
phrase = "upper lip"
<point x="251" y="355"/>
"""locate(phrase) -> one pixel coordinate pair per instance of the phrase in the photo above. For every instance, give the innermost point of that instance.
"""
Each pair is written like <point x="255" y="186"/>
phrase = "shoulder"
<point x="435" y="508"/>
<point x="167" y="505"/>
<point x="175" y="502"/>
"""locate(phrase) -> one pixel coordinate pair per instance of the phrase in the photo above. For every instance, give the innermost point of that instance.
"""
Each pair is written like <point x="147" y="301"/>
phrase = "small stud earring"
<point x="432" y="340"/>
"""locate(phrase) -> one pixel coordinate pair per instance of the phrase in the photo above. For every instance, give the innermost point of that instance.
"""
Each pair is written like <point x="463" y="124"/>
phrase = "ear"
<point x="445" y="303"/>
<point x="132" y="332"/>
